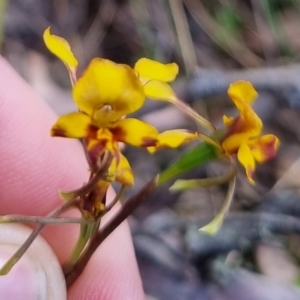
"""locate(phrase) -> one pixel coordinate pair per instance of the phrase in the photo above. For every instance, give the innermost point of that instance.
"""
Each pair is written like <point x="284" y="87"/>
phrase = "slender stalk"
<point x="3" y="7"/>
<point x="193" y="114"/>
<point x="42" y="220"/>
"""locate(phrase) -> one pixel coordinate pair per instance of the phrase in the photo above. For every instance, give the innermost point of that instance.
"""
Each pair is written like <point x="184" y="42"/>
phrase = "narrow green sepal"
<point x="213" y="227"/>
<point x="193" y="158"/>
<point x="181" y="185"/>
<point x="67" y="196"/>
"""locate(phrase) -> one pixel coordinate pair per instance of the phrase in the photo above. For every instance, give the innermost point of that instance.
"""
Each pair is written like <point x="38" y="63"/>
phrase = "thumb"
<point x="37" y="275"/>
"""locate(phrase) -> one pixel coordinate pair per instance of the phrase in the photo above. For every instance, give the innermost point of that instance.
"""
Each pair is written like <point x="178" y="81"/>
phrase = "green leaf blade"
<point x="195" y="157"/>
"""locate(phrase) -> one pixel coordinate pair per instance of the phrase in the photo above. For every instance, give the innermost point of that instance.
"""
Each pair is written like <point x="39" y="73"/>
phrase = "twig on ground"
<point x="239" y="231"/>
<point x="275" y="80"/>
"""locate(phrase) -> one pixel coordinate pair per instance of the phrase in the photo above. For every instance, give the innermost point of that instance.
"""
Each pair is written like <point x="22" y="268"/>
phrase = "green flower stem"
<point x="86" y="231"/>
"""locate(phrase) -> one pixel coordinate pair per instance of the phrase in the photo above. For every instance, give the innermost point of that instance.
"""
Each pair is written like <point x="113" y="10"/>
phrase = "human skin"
<point x="34" y="166"/>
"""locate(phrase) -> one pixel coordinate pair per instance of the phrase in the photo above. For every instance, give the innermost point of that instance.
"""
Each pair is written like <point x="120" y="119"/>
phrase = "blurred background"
<point x="256" y="255"/>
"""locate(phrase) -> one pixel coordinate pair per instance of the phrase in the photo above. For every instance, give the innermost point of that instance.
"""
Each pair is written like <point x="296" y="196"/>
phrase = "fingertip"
<point x="34" y="166"/>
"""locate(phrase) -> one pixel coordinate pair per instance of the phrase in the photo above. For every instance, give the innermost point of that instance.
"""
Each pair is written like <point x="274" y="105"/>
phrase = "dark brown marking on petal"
<point x="57" y="131"/>
<point x="237" y="126"/>
<point x="118" y="133"/>
<point x="269" y="149"/>
<point x="149" y="142"/>
<point x="92" y="131"/>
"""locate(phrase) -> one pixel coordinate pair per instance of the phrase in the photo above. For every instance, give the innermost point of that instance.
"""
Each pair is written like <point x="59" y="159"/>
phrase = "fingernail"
<point x="25" y="281"/>
<point x="37" y="275"/>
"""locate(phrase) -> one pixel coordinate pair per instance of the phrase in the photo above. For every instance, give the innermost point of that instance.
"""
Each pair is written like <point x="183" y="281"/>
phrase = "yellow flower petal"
<point x="105" y="136"/>
<point x="96" y="206"/>
<point x="242" y="90"/>
<point x="264" y="148"/>
<point x="61" y="48"/>
<point x="248" y="120"/>
<point x="159" y="90"/>
<point x="228" y="120"/>
<point x="121" y="171"/>
<point x="232" y="143"/>
<point x="246" y="126"/>
<point x="153" y="70"/>
<point x="105" y="83"/>
<point x="173" y="139"/>
<point x="73" y="125"/>
<point x="124" y="172"/>
<point x="241" y="131"/>
<point x="134" y="132"/>
<point x="246" y="158"/>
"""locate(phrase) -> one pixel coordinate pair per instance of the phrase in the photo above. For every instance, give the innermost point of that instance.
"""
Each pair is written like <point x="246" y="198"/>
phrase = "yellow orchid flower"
<point x="104" y="94"/>
<point x="241" y="136"/>
<point x="243" y="132"/>
<point x="99" y="139"/>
